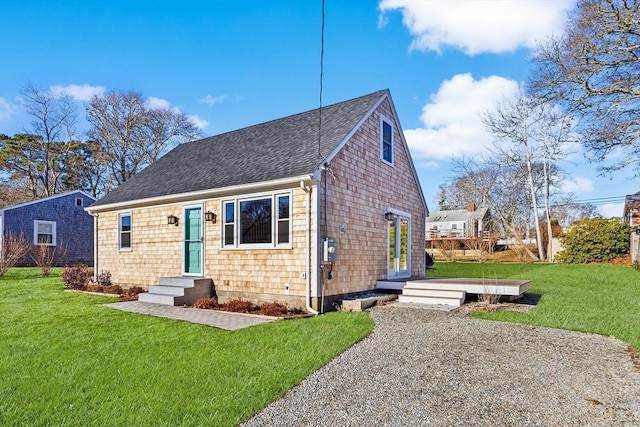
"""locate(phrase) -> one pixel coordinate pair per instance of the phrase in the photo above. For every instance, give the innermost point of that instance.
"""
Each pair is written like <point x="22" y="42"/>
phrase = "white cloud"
<point x="579" y="185"/>
<point x="609" y="210"/>
<point x="452" y="123"/>
<point x="79" y="93"/>
<point x="6" y="110"/>
<point x="478" y="26"/>
<point x="213" y="100"/>
<point x="196" y="120"/>
<point x="153" y="102"/>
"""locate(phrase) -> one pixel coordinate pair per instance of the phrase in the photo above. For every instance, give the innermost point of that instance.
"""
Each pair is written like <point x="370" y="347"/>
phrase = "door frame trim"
<point x="406" y="215"/>
<point x="184" y="235"/>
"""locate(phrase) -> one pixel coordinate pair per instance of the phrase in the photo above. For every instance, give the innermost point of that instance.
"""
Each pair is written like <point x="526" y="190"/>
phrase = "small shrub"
<point x="13" y="250"/>
<point x="238" y="306"/>
<point x="94" y="287"/>
<point x="112" y="289"/>
<point x="46" y="256"/>
<point x="206" y="303"/>
<point x="104" y="278"/>
<point x="76" y="276"/>
<point x="273" y="309"/>
<point x="131" y="294"/>
<point x="428" y="260"/>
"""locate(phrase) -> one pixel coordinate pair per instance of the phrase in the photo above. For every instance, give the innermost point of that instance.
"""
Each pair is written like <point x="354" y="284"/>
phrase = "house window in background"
<point x="44" y="233"/>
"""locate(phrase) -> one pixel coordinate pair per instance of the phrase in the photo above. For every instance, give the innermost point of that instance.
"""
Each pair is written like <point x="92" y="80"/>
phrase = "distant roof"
<point x="278" y="149"/>
<point x="55" y="196"/>
<point x="633" y="197"/>
<point x="456" y="215"/>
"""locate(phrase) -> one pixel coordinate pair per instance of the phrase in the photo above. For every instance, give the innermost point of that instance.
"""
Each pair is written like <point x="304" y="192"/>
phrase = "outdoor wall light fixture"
<point x="389" y="216"/>
<point x="210" y="216"/>
<point x="172" y="220"/>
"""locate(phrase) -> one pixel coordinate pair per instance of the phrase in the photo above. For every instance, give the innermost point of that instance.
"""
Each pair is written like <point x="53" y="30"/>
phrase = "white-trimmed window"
<point x="79" y="201"/>
<point x="258" y="222"/>
<point x="386" y="141"/>
<point x="228" y="238"/>
<point x="124" y="231"/>
<point x="44" y="233"/>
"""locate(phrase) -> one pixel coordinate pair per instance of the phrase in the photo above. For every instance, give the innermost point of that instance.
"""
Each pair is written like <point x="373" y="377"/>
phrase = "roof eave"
<point x="198" y="195"/>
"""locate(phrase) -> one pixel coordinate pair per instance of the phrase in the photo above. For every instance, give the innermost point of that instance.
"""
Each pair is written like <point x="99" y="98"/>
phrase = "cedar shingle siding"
<point x="280" y="156"/>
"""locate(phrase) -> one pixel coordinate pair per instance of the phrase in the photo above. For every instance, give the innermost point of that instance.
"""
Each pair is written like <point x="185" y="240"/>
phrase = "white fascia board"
<point x="396" y="119"/>
<point x="200" y="195"/>
<point x="44" y="199"/>
<point x="339" y="147"/>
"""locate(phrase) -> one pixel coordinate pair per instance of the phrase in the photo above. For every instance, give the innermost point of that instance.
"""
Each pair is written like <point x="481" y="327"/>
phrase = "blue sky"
<point x="233" y="64"/>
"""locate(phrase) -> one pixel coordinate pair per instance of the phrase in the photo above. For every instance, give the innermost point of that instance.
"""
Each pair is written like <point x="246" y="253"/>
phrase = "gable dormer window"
<point x="386" y="141"/>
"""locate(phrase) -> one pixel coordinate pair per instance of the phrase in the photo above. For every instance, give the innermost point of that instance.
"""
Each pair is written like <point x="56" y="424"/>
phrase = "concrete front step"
<point x="178" y="290"/>
<point x="156" y="298"/>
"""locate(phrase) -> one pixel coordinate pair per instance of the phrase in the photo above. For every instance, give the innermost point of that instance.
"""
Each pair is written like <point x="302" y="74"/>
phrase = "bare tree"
<point x="131" y="135"/>
<point x="533" y="134"/>
<point x="500" y="189"/>
<point x="567" y="211"/>
<point x="53" y="125"/>
<point x="593" y="71"/>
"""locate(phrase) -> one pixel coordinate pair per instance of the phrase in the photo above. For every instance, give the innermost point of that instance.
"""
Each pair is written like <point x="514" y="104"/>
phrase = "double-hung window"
<point x="44" y="233"/>
<point x="386" y="141"/>
<point x="257" y="222"/>
<point x="124" y="232"/>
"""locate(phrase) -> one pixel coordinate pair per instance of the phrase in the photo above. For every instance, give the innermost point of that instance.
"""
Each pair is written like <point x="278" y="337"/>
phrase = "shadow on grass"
<point x="25" y="273"/>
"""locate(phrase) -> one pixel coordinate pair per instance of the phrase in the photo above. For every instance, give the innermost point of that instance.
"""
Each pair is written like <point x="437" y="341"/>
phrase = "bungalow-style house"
<point x="302" y="210"/>
<point x="631" y="213"/>
<point x="458" y="223"/>
<point x="57" y="221"/>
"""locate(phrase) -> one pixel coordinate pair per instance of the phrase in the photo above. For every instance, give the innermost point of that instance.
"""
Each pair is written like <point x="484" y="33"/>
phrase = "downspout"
<point x="308" y="250"/>
<point x="95" y="247"/>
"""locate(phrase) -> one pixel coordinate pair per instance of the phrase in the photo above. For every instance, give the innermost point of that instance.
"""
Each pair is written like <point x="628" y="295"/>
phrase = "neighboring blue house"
<point x="54" y="221"/>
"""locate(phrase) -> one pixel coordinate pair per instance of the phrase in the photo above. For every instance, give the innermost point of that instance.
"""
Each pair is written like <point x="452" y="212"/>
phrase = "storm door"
<point x="193" y="241"/>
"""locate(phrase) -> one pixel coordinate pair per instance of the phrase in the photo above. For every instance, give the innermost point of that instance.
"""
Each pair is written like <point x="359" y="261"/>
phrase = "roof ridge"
<point x="324" y="107"/>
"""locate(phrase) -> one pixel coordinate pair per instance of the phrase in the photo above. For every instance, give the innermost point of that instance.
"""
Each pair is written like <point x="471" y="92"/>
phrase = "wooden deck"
<point x="472" y="286"/>
<point x="451" y="291"/>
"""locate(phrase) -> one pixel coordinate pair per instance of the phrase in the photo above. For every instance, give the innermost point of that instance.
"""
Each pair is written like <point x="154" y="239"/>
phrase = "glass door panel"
<point x="193" y="241"/>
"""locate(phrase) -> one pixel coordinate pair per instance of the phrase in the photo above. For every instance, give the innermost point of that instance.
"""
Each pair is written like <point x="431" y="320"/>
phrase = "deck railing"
<point x="455" y="234"/>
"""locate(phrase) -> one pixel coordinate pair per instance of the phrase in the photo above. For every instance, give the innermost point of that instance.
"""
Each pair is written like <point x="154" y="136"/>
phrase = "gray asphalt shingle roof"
<point x="456" y="215"/>
<point x="277" y="149"/>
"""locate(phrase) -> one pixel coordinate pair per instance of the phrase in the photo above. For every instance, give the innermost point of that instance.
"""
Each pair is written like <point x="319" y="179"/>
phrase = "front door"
<point x="193" y="239"/>
<point x="399" y="253"/>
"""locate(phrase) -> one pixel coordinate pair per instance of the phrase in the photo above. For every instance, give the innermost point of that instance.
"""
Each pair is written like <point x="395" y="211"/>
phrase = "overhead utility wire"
<point x="321" y="78"/>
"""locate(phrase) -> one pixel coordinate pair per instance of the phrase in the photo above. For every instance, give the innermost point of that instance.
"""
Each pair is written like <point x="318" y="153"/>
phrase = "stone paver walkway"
<point x="217" y="319"/>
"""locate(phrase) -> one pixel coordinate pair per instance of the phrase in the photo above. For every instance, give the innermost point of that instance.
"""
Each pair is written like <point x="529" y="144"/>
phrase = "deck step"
<point x="451" y="302"/>
<point x="178" y="290"/>
<point x="436" y="293"/>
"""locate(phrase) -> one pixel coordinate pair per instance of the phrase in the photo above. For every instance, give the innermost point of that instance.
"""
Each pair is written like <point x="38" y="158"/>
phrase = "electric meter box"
<point x="329" y="251"/>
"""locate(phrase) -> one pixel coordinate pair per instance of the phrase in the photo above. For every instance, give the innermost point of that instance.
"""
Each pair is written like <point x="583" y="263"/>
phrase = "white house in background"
<point x="631" y="213"/>
<point x="458" y="223"/>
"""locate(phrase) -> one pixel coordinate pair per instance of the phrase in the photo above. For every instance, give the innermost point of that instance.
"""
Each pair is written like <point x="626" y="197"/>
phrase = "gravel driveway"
<point x="421" y="367"/>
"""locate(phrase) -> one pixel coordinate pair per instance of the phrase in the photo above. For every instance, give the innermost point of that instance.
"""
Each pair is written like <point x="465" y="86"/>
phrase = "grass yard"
<point x="604" y="299"/>
<point x="66" y="360"/>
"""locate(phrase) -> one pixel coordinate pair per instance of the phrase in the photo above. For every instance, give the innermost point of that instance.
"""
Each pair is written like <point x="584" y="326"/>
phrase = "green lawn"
<point x="67" y="360"/>
<point x="604" y="299"/>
